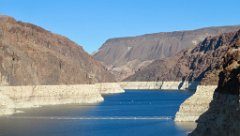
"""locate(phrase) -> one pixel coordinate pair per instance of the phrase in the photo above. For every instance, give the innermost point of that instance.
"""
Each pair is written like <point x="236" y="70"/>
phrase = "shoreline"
<point x="193" y="107"/>
<point x="17" y="97"/>
<point x="159" y="85"/>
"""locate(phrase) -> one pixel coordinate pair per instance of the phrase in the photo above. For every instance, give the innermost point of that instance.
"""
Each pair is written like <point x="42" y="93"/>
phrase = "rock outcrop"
<point x="30" y="55"/>
<point x="193" y="107"/>
<point x="223" y="115"/>
<point x="125" y="56"/>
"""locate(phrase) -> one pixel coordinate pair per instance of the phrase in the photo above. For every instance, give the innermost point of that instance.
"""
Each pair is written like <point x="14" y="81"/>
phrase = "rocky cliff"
<point x="125" y="56"/>
<point x="223" y="115"/>
<point x="194" y="106"/>
<point x="30" y="55"/>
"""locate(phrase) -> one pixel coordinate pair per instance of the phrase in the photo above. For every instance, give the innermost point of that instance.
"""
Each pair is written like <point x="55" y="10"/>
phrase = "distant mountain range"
<point x="201" y="64"/>
<point x="126" y="56"/>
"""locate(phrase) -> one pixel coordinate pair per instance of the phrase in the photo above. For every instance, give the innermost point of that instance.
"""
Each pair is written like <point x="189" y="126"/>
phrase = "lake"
<point x="133" y="113"/>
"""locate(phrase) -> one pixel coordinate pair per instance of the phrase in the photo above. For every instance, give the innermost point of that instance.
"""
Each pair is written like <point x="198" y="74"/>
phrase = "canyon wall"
<point x="125" y="56"/>
<point x="223" y="116"/>
<point x="214" y="50"/>
<point x="190" y="65"/>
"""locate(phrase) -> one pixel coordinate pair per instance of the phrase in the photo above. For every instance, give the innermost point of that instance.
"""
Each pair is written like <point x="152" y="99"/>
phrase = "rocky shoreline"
<point x="222" y="117"/>
<point x="191" y="109"/>
<point x="14" y="98"/>
<point x="163" y="85"/>
<point x="17" y="97"/>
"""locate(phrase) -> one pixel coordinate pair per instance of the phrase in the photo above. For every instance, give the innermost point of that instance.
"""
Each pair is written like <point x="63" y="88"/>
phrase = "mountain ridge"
<point x="191" y="64"/>
<point x="32" y="55"/>
<point x="124" y="56"/>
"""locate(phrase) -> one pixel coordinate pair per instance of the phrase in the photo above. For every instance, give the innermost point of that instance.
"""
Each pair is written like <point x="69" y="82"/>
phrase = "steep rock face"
<point x="125" y="56"/>
<point x="193" y="107"/>
<point x="31" y="55"/>
<point x="223" y="116"/>
<point x="201" y="63"/>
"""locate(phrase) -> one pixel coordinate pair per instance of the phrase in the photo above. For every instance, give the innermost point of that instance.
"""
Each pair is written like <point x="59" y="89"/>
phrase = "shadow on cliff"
<point x="223" y="115"/>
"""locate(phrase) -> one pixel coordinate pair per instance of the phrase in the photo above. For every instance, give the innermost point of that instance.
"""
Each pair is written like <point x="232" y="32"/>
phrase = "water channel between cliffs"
<point x="135" y="113"/>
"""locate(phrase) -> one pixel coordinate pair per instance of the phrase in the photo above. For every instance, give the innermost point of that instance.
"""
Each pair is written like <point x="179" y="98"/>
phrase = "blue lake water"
<point x="133" y="113"/>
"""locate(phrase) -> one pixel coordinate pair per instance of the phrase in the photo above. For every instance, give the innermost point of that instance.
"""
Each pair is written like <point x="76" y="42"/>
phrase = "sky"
<point x="91" y="22"/>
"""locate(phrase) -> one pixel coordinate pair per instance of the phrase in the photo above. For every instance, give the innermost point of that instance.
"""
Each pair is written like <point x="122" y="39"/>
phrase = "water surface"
<point x="133" y="113"/>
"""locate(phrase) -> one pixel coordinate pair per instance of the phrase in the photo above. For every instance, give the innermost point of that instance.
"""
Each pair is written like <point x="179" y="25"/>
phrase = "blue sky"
<point x="91" y="22"/>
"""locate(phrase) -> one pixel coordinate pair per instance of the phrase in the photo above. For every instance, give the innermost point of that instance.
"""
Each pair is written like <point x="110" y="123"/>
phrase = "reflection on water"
<point x="187" y="126"/>
<point x="89" y="118"/>
<point x="135" y="113"/>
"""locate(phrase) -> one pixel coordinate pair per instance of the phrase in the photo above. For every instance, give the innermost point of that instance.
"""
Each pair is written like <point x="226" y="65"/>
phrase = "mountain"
<point x="124" y="56"/>
<point x="191" y="64"/>
<point x="30" y="55"/>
